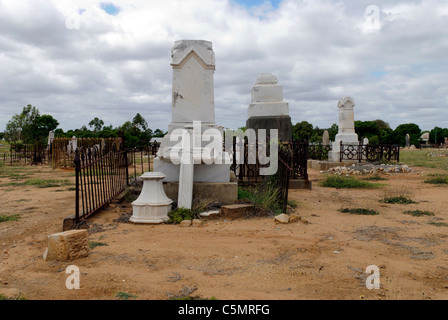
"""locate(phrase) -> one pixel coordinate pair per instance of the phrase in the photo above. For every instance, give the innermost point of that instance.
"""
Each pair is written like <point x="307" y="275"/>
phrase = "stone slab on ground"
<point x="300" y="184"/>
<point x="67" y="246"/>
<point x="235" y="211"/>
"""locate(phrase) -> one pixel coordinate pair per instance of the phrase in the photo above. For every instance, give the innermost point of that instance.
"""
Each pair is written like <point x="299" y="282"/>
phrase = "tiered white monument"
<point x="268" y="110"/>
<point x="193" y="63"/>
<point x="346" y="131"/>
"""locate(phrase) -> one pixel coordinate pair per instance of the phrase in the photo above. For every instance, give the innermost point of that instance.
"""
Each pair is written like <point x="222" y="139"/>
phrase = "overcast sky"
<point x="81" y="59"/>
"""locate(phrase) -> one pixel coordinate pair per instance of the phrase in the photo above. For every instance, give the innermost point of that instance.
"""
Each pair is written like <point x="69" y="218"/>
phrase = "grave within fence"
<point x="25" y="154"/>
<point x="369" y="152"/>
<point x="292" y="160"/>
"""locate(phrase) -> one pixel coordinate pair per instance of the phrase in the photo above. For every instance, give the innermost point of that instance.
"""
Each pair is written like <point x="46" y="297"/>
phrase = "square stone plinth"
<point x="67" y="246"/>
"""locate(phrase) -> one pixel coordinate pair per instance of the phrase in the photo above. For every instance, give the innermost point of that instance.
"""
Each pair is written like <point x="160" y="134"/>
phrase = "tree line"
<point x="29" y="127"/>
<point x="377" y="131"/>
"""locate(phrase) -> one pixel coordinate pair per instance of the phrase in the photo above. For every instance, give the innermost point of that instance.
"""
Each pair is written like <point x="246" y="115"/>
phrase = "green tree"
<point x="159" y="133"/>
<point x="40" y="127"/>
<point x="18" y="128"/>
<point x="333" y="131"/>
<point x="302" y="131"/>
<point x="400" y="132"/>
<point x="140" y="123"/>
<point x="96" y="124"/>
<point x="437" y="135"/>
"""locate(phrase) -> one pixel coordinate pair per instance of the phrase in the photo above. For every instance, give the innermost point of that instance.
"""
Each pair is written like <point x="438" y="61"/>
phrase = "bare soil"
<point x="252" y="258"/>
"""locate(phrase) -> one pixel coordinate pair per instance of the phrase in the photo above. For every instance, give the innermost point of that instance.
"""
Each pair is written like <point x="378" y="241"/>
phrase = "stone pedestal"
<point x="346" y="133"/>
<point x="152" y="206"/>
<point x="268" y="110"/>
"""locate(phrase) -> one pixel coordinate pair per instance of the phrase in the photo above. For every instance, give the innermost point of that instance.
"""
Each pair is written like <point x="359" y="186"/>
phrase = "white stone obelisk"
<point x="193" y="63"/>
<point x="346" y="128"/>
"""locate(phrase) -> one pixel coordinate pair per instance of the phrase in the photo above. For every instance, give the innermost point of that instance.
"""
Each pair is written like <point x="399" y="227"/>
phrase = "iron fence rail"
<point x="26" y="154"/>
<point x="99" y="178"/>
<point x="370" y="153"/>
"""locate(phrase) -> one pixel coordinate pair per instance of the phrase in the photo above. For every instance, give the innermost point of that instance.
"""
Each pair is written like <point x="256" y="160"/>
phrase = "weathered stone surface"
<point x="282" y="218"/>
<point x="235" y="211"/>
<point x="186" y="223"/>
<point x="67" y="246"/>
<point x="197" y="223"/>
<point x="294" y="218"/>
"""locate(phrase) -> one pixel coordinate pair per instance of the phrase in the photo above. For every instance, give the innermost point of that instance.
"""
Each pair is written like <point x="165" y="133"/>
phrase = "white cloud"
<point x="114" y="66"/>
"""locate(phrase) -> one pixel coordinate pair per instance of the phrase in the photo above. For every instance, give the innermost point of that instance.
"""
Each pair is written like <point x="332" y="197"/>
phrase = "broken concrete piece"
<point x="235" y="211"/>
<point x="282" y="218"/>
<point x="67" y="246"/>
<point x="209" y="214"/>
<point x="197" y="223"/>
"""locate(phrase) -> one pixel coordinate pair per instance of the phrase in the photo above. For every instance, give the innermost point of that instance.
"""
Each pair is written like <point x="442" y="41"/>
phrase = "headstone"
<point x="408" y="140"/>
<point x="446" y="142"/>
<point x="365" y="141"/>
<point x="193" y="63"/>
<point x="326" y="138"/>
<point x="50" y="139"/>
<point x="268" y="110"/>
<point x="346" y="133"/>
<point x="72" y="145"/>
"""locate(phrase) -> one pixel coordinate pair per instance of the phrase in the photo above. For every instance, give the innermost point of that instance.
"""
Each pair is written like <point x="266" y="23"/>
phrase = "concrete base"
<point x="202" y="172"/>
<point x="299" y="184"/>
<point x="327" y="165"/>
<point x="281" y="123"/>
<point x="224" y="193"/>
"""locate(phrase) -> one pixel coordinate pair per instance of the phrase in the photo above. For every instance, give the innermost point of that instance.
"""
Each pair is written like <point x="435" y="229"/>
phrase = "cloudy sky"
<point x="81" y="59"/>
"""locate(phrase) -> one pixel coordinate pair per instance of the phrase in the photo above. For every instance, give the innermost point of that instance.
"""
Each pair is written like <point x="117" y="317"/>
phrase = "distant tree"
<point x="382" y="124"/>
<point x="158" y="134"/>
<point x="333" y="131"/>
<point x="302" y="131"/>
<point x="400" y="132"/>
<point x="17" y="129"/>
<point x="140" y="123"/>
<point x="96" y="124"/>
<point x="366" y="129"/>
<point x="437" y="135"/>
<point x="29" y="126"/>
<point x="40" y="127"/>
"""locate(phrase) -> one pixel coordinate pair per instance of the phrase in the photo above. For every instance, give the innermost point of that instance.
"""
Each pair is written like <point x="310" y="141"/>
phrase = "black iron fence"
<point x="63" y="149"/>
<point x="370" y="153"/>
<point x="24" y="154"/>
<point x="291" y="164"/>
<point x="299" y="159"/>
<point x="284" y="173"/>
<point x="139" y="162"/>
<point x="99" y="178"/>
<point x="318" y="151"/>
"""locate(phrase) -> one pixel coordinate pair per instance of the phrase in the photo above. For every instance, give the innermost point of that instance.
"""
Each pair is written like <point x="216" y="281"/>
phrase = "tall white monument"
<point x="268" y="110"/>
<point x="346" y="130"/>
<point x="193" y="63"/>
